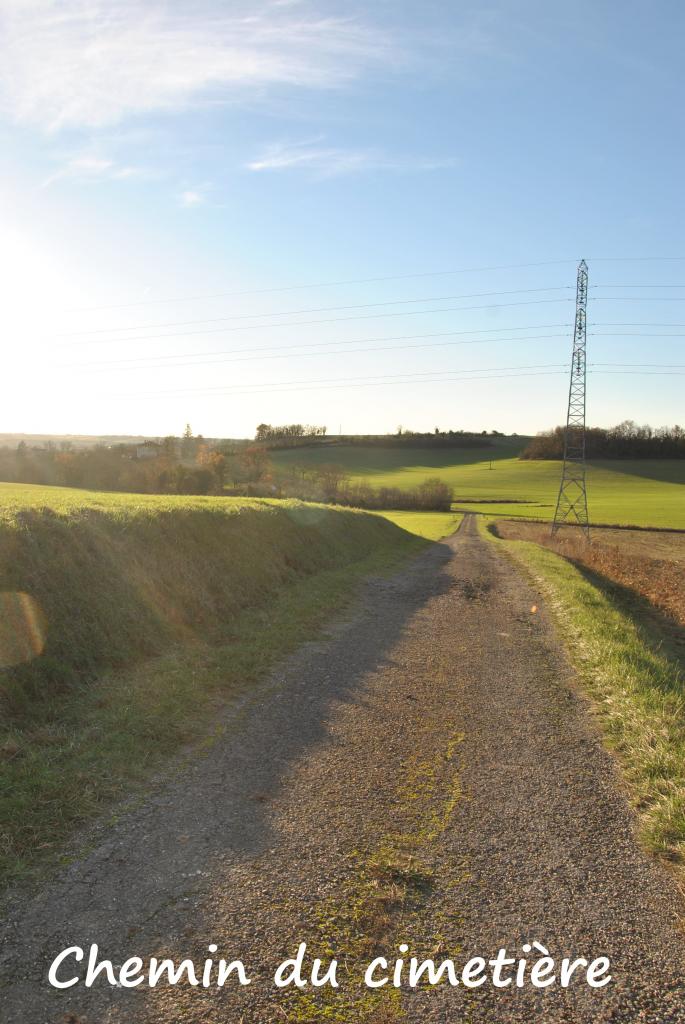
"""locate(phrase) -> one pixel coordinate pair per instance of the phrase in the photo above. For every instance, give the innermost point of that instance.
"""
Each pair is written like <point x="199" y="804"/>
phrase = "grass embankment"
<point x="632" y="666"/>
<point x="639" y="492"/>
<point x="140" y="616"/>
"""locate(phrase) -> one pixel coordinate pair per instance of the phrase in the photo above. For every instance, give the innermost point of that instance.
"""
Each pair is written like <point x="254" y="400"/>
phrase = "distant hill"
<point x="85" y="440"/>
<point x="76" y="440"/>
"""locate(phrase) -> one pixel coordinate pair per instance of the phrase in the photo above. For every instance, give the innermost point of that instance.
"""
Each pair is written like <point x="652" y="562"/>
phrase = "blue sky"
<point x="182" y="185"/>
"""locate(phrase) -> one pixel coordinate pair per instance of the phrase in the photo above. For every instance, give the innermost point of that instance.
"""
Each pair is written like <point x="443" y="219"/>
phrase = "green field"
<point x="641" y="492"/>
<point x="429" y="525"/>
<point x="65" y="500"/>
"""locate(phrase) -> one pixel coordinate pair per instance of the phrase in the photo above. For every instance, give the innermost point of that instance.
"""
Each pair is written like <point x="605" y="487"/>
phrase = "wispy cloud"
<point x="192" y="197"/>
<point x="88" y="167"/>
<point x="330" y="161"/>
<point x="90" y="63"/>
<point x="128" y="172"/>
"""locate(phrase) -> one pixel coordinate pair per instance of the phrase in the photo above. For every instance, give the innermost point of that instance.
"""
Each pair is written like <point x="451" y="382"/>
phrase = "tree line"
<point x="423" y="439"/>
<point x="627" y="440"/>
<point x="332" y="483"/>
<point x="186" y="465"/>
<point x="293" y="435"/>
<point x="191" y="465"/>
<point x="286" y="436"/>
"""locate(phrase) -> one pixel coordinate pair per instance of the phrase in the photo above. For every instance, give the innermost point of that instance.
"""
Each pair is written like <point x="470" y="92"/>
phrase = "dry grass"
<point x="650" y="564"/>
<point x="386" y="1013"/>
<point x="632" y="666"/>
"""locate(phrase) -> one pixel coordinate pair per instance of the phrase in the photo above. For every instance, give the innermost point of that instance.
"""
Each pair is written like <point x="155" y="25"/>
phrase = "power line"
<point x="645" y="373"/>
<point x="636" y="259"/>
<point x="623" y="324"/>
<point x="190" y="359"/>
<point x="322" y="284"/>
<point x="346" y="319"/>
<point x="632" y="334"/>
<point x="413" y="376"/>
<point x="309" y="323"/>
<point x="358" y="305"/>
<point x="450" y="376"/>
<point x="373" y="280"/>
<point x="150" y="363"/>
<point x="285" y="351"/>
<point x="329" y="387"/>
<point x="315" y="309"/>
<point x="637" y="286"/>
<point x="302" y="355"/>
<point x="381" y="377"/>
<point x="661" y="366"/>
<point x="194" y="358"/>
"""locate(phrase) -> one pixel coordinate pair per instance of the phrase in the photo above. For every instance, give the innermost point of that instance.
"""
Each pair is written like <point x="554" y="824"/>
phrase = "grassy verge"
<point x="632" y="667"/>
<point x="153" y="619"/>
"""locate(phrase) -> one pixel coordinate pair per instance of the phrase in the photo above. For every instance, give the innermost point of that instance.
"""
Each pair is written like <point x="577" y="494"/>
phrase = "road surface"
<point x="428" y="774"/>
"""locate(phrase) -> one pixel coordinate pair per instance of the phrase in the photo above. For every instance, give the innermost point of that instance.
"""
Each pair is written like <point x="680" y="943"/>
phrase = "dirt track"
<point x="426" y="774"/>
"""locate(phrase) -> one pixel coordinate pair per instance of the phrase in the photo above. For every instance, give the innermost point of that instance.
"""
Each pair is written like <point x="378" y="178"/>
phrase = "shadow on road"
<point x="177" y="849"/>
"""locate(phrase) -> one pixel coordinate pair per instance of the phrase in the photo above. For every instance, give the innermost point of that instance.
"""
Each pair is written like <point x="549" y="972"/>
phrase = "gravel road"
<point x="426" y="773"/>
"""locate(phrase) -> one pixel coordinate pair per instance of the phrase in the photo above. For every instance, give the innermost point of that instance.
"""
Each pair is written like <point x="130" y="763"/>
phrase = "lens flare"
<point x="22" y="628"/>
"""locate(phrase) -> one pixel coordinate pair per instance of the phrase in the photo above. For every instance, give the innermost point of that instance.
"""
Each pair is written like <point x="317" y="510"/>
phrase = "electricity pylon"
<point x="572" y="500"/>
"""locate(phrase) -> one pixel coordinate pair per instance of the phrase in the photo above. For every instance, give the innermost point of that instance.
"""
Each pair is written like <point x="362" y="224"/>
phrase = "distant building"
<point x="148" y="450"/>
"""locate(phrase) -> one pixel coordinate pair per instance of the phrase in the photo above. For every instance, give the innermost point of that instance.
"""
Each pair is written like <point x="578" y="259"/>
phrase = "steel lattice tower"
<point x="572" y="500"/>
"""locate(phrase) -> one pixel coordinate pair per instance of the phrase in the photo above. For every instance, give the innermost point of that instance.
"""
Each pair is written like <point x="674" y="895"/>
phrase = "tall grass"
<point x="113" y="586"/>
<point x="149" y="613"/>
